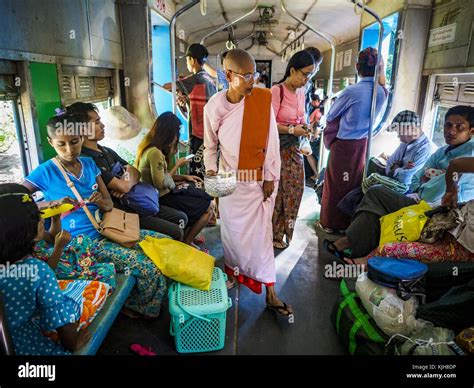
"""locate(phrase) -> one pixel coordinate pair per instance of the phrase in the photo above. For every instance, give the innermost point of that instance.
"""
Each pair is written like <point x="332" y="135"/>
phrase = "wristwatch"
<point x="291" y="129"/>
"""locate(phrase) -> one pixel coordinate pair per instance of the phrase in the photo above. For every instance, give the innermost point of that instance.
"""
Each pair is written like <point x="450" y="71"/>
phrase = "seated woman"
<point x="154" y="155"/>
<point x="168" y="220"/>
<point x="380" y="201"/>
<point x="35" y="294"/>
<point x="64" y="135"/>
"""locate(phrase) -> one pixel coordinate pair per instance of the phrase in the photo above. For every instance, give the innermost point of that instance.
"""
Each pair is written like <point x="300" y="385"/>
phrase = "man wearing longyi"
<point x="240" y="121"/>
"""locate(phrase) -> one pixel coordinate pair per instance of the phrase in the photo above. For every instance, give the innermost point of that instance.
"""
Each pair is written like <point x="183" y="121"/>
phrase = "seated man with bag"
<point x="380" y="201"/>
<point x="121" y="179"/>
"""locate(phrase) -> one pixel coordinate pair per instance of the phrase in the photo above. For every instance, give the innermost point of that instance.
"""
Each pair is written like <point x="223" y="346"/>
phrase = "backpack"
<point x="142" y="198"/>
<point x="405" y="276"/>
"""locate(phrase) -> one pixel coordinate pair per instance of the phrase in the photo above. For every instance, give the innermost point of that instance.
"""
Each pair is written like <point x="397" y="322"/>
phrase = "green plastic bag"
<point x="180" y="262"/>
<point x="403" y="225"/>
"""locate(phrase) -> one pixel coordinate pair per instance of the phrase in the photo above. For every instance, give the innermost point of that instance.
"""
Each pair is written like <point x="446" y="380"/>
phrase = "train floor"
<point x="252" y="329"/>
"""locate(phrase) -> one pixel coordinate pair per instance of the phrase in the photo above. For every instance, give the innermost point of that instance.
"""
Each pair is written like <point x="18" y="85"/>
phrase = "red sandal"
<point x="142" y="350"/>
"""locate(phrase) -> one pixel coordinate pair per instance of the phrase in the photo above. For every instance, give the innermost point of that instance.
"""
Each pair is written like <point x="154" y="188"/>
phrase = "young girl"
<point x="33" y="301"/>
<point x="65" y="134"/>
<point x="71" y="258"/>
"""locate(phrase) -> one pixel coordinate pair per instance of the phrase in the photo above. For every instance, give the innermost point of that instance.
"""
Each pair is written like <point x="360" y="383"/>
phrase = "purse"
<point x="118" y="226"/>
<point x="142" y="197"/>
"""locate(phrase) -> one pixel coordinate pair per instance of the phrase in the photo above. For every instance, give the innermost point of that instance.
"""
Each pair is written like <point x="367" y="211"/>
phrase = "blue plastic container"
<point x="198" y="318"/>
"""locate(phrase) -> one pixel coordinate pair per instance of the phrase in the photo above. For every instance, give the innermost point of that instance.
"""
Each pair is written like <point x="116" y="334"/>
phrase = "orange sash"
<point x="254" y="140"/>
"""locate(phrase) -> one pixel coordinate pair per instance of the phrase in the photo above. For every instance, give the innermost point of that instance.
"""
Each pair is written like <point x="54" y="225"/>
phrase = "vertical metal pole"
<point x="376" y="81"/>
<point x="327" y="105"/>
<point x="174" y="60"/>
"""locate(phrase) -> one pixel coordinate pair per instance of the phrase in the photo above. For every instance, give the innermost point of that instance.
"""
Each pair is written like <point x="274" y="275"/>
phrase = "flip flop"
<point x="142" y="350"/>
<point x="280" y="309"/>
<point x="340" y="255"/>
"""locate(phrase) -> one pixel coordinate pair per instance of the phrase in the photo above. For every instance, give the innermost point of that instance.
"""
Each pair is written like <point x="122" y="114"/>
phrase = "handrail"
<point x="331" y="71"/>
<point x="228" y="24"/>
<point x="376" y="77"/>
<point x="173" y="48"/>
<point x="160" y="86"/>
<point x="293" y="41"/>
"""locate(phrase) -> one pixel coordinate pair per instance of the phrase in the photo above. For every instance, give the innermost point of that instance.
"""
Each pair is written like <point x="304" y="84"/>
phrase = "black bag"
<point x="356" y="329"/>
<point x="443" y="276"/>
<point x="454" y="310"/>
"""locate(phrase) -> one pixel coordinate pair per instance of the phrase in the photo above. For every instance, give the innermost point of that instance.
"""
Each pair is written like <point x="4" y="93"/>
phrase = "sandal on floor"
<point x="142" y="350"/>
<point x="340" y="255"/>
<point x="280" y="245"/>
<point x="282" y="310"/>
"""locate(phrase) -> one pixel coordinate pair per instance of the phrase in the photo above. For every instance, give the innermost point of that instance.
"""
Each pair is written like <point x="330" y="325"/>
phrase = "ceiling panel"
<point x="334" y="17"/>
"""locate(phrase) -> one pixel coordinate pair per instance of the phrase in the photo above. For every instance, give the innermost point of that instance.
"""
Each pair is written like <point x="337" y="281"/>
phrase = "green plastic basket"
<point x="198" y="318"/>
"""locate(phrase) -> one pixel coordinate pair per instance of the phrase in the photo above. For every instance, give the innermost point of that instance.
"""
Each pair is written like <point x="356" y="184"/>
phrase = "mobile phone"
<point x="189" y="157"/>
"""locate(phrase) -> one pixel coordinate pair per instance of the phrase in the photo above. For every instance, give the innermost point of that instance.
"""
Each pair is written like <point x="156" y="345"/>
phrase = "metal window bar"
<point x="173" y="49"/>
<point x="331" y="72"/>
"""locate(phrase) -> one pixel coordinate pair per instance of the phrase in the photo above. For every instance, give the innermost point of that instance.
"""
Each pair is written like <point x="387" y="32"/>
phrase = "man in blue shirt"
<point x="414" y="150"/>
<point x="346" y="138"/>
<point x="363" y="234"/>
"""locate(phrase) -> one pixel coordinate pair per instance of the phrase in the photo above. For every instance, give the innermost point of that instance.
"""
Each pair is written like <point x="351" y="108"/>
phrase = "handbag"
<point x="116" y="225"/>
<point x="142" y="197"/>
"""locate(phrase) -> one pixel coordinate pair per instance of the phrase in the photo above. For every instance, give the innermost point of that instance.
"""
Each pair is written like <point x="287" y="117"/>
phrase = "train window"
<point x="11" y="164"/>
<point x="390" y="44"/>
<point x="438" y="125"/>
<point x="161" y="59"/>
<point x="370" y="37"/>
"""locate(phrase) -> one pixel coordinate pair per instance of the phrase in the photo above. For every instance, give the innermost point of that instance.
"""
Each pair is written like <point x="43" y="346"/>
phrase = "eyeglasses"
<point x="247" y="77"/>
<point x="306" y="75"/>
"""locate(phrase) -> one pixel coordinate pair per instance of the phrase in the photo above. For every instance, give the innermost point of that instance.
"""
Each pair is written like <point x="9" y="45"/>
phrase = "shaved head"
<point x="238" y="59"/>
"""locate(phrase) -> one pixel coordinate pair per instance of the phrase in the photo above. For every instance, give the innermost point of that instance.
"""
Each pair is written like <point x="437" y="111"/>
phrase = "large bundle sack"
<point x="356" y="329"/>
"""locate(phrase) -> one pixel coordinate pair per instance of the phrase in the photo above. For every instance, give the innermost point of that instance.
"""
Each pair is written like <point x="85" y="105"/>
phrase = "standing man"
<point x="198" y="89"/>
<point x="240" y="121"/>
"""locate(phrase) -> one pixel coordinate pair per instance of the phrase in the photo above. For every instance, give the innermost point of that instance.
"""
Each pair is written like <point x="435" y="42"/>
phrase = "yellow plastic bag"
<point x="403" y="225"/>
<point x="180" y="262"/>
